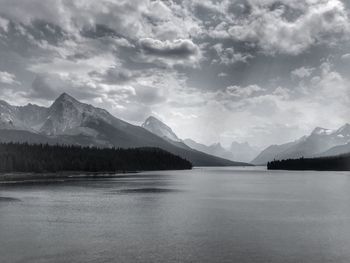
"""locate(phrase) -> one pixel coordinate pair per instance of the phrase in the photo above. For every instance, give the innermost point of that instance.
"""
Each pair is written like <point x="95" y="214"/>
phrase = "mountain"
<point x="336" y="150"/>
<point x="69" y="116"/>
<point x="321" y="142"/>
<point x="218" y="150"/>
<point x="159" y="128"/>
<point x="195" y="145"/>
<point x="21" y="117"/>
<point x="243" y="151"/>
<point x="342" y="132"/>
<point x="215" y="149"/>
<point x="68" y="121"/>
<point x="162" y="130"/>
<point x="271" y="152"/>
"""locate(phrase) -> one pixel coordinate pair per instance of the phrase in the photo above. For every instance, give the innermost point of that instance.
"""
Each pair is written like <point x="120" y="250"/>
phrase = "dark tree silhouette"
<point x="333" y="163"/>
<point x="40" y="158"/>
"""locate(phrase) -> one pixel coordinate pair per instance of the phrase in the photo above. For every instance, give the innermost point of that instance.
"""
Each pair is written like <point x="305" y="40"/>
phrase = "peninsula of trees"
<point x="333" y="163"/>
<point x="42" y="158"/>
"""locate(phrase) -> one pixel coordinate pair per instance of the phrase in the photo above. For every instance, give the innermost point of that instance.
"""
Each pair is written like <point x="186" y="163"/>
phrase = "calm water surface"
<point x="204" y="215"/>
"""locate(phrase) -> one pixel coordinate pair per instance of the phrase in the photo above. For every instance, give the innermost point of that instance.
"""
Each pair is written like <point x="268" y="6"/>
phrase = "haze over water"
<point x="203" y="215"/>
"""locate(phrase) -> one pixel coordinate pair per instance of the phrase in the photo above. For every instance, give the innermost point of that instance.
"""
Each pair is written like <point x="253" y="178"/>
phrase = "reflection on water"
<point x="149" y="190"/>
<point x="203" y="215"/>
<point x="8" y="199"/>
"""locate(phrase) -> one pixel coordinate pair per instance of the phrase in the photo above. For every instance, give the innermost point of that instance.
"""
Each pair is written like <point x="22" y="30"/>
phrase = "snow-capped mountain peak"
<point x="343" y="131"/>
<point x="159" y="128"/>
<point x="321" y="142"/>
<point x="321" y="131"/>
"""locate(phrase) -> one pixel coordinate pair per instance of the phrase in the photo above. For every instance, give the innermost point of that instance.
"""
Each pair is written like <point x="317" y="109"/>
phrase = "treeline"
<point x="333" y="163"/>
<point x="40" y="158"/>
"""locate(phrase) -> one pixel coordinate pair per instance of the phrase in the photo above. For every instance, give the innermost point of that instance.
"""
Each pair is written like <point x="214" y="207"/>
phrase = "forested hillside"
<point x="40" y="158"/>
<point x="333" y="163"/>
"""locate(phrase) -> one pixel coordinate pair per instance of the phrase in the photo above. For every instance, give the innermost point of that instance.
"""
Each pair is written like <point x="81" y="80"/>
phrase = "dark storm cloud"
<point x="181" y="48"/>
<point x="98" y="31"/>
<point x="42" y="30"/>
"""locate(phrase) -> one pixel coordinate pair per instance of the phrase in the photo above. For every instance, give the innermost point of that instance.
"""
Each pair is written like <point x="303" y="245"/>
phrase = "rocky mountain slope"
<point x="321" y="142"/>
<point x="71" y="122"/>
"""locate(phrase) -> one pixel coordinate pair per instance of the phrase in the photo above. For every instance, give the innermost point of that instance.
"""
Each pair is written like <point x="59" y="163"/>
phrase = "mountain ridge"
<point x="320" y="142"/>
<point x="70" y="121"/>
<point x="159" y="128"/>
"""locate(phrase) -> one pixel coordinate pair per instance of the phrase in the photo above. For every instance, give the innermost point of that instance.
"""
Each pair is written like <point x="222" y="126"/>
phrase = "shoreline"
<point x="17" y="177"/>
<point x="28" y="177"/>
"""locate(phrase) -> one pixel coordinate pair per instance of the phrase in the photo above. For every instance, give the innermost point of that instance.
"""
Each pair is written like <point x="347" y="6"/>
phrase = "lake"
<point x="203" y="215"/>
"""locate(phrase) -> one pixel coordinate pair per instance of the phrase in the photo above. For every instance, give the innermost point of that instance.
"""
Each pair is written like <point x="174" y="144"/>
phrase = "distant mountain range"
<point x="214" y="149"/>
<point x="242" y="152"/>
<point x="321" y="142"/>
<point x="162" y="130"/>
<point x="68" y="121"/>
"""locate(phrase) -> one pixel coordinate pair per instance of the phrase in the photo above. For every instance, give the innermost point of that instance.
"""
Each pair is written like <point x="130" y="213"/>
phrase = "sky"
<point x="261" y="71"/>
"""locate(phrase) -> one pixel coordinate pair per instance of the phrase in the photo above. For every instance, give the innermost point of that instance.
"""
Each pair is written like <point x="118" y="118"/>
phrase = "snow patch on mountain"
<point x="320" y="142"/>
<point x="322" y="131"/>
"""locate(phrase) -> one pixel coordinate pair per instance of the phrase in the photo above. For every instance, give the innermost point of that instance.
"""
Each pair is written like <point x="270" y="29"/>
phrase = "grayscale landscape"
<point x="174" y="131"/>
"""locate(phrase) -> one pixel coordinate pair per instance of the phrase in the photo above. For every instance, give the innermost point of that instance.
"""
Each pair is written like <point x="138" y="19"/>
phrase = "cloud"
<point x="222" y="74"/>
<point x="345" y="57"/>
<point x="8" y="78"/>
<point x="4" y="24"/>
<point x="170" y="53"/>
<point x="243" y="92"/>
<point x="80" y="67"/>
<point x="115" y="75"/>
<point x="179" y="60"/>
<point x="133" y="19"/>
<point x="228" y="55"/>
<point x="282" y="114"/>
<point x="302" y="72"/>
<point x="148" y="95"/>
<point x="324" y="103"/>
<point x="177" y="49"/>
<point x="47" y="87"/>
<point x="318" y="22"/>
<point x="42" y="88"/>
